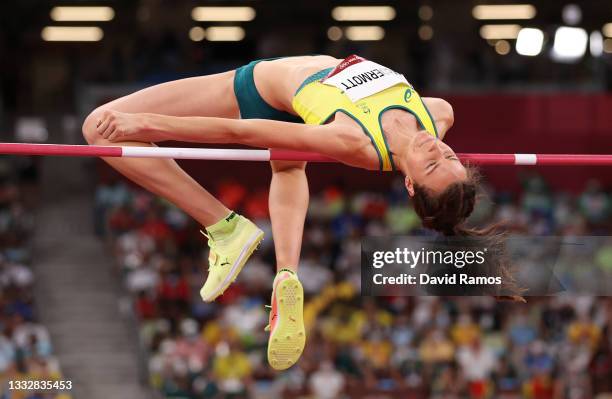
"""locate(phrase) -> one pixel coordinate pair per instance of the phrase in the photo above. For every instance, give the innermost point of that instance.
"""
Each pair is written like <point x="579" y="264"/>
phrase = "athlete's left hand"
<point x="119" y="126"/>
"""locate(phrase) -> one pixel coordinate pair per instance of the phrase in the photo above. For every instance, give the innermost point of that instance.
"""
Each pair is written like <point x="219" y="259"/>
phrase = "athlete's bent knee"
<point x="89" y="128"/>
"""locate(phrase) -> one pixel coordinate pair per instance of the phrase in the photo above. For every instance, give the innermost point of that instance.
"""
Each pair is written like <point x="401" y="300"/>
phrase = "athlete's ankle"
<point x="224" y="226"/>
<point x="284" y="272"/>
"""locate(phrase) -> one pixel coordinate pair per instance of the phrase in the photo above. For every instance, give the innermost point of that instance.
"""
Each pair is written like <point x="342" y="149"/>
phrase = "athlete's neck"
<point x="400" y="129"/>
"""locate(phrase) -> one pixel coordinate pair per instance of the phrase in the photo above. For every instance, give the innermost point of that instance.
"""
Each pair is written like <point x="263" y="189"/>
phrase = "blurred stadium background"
<point x="99" y="280"/>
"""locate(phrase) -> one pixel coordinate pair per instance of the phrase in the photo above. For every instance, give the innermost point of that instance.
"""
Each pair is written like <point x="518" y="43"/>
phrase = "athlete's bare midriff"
<point x="278" y="80"/>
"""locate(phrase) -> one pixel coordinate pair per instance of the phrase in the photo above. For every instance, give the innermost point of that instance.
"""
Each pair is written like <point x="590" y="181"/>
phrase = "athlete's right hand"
<point x="119" y="126"/>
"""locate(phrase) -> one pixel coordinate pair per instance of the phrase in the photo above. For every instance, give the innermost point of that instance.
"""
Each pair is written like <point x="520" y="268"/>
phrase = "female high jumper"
<point x="353" y="110"/>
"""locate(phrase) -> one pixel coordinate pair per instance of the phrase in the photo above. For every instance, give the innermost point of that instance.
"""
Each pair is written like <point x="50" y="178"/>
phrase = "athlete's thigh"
<point x="211" y="95"/>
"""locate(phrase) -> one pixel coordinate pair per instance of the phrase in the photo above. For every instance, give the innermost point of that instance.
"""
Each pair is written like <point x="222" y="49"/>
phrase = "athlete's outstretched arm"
<point x="323" y="139"/>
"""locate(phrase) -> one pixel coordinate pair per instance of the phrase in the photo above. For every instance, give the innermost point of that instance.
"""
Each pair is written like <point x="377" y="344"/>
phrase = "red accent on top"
<point x="575" y="159"/>
<point x="542" y="159"/>
<point x="347" y="62"/>
<point x="273" y="318"/>
<point x="488" y="159"/>
<point x="58" y="149"/>
<point x="287" y="155"/>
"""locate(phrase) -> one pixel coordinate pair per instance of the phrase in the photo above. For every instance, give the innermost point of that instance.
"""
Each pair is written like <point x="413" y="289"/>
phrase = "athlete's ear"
<point x="409" y="186"/>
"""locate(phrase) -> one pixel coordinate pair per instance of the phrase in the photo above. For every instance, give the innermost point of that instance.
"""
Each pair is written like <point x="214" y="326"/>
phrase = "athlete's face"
<point x="432" y="164"/>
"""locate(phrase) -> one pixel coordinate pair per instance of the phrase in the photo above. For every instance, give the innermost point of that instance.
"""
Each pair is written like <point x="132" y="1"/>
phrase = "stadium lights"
<point x="197" y="34"/>
<point x="224" y="34"/>
<point x="334" y="33"/>
<point x="426" y="32"/>
<point x="529" y="42"/>
<point x="572" y="14"/>
<point x="502" y="47"/>
<point x="495" y="32"/>
<point x="363" y="13"/>
<point x="426" y="13"/>
<point x="89" y="14"/>
<point x="596" y="44"/>
<point x="364" y="33"/>
<point x="504" y="11"/>
<point x="570" y="43"/>
<point x="72" y="34"/>
<point x="220" y="14"/>
<point x="607" y="29"/>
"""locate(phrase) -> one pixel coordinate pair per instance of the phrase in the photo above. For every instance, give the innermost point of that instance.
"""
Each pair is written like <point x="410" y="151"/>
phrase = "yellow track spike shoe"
<point x="231" y="242"/>
<point x="287" y="333"/>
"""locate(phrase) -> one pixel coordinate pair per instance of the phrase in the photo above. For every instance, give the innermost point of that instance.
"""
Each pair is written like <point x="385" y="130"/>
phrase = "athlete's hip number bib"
<point x="359" y="78"/>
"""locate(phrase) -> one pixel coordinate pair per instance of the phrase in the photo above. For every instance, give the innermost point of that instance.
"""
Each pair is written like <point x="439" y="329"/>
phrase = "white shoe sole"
<point x="287" y="341"/>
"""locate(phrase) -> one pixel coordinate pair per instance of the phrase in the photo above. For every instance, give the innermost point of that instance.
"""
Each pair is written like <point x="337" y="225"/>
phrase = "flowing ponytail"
<point x="447" y="212"/>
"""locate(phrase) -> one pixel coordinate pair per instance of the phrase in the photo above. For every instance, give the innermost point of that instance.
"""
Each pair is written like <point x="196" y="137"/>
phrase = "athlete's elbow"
<point x="447" y="114"/>
<point x="235" y="134"/>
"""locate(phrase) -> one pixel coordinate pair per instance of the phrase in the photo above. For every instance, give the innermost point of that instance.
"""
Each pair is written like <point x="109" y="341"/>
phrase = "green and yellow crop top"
<point x="316" y="102"/>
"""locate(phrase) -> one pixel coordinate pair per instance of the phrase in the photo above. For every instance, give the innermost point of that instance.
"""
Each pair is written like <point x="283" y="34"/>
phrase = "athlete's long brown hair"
<point x="447" y="212"/>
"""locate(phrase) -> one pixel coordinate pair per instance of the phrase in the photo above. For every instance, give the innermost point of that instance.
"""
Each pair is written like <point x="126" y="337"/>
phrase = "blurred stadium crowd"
<point x="386" y="347"/>
<point x="26" y="352"/>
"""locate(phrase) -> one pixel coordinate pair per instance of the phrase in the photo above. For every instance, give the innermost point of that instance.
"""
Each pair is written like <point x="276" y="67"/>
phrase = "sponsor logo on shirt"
<point x="408" y="95"/>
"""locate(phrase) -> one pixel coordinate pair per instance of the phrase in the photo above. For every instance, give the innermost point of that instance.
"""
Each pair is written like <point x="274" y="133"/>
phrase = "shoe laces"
<point x="211" y="245"/>
<point x="211" y="240"/>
